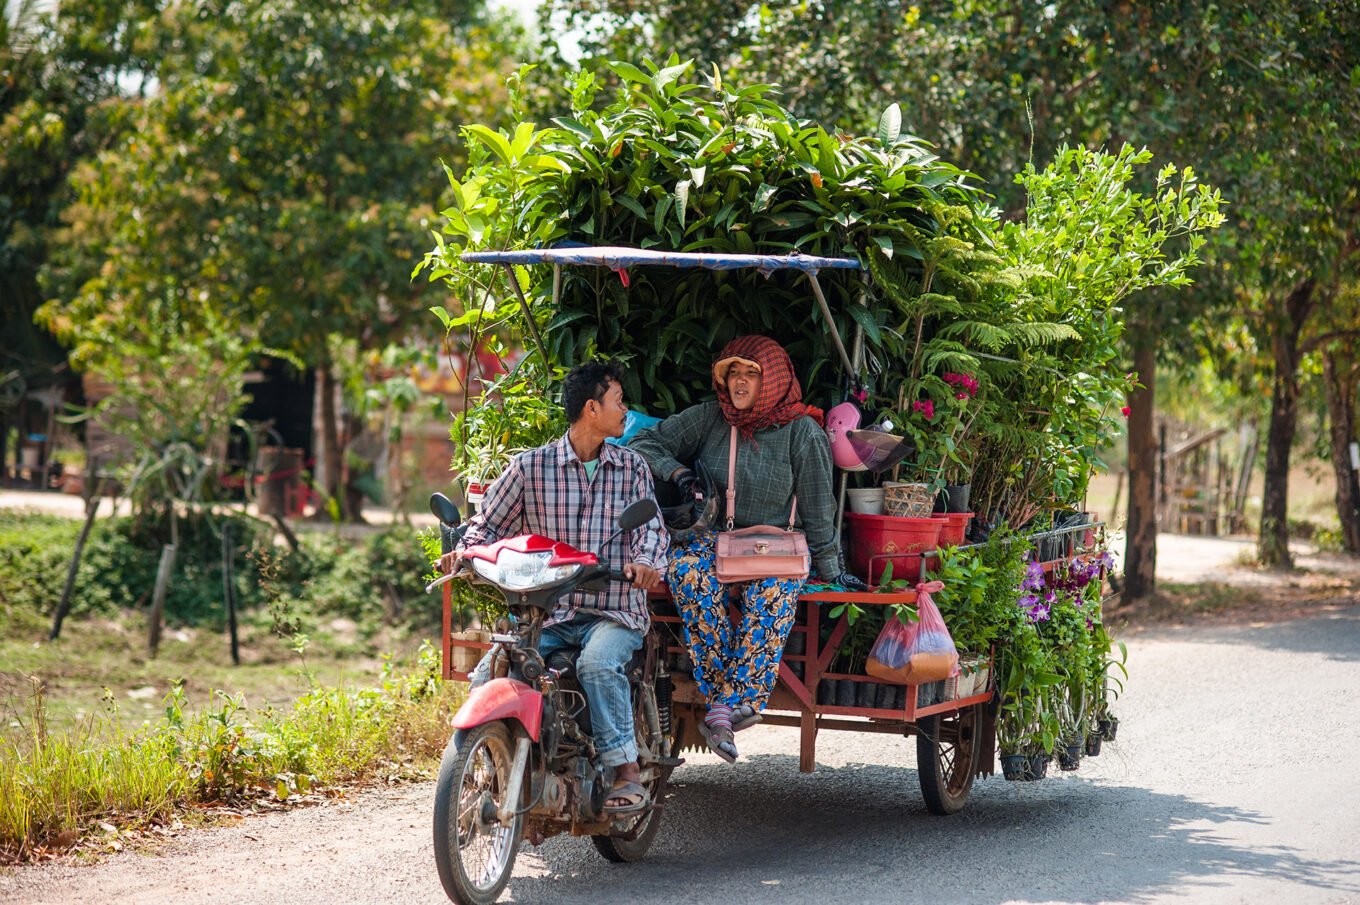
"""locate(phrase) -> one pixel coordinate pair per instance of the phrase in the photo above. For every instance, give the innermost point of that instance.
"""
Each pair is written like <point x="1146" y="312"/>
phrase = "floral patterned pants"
<point x="731" y="666"/>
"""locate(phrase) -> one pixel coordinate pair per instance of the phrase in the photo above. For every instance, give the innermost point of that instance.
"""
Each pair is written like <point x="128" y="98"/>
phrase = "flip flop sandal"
<point x="636" y="794"/>
<point x="744" y="716"/>
<point x="719" y="742"/>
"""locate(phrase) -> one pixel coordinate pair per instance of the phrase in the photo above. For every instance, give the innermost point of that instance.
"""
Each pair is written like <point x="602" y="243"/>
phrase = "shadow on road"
<point x="1334" y="634"/>
<point x="761" y="832"/>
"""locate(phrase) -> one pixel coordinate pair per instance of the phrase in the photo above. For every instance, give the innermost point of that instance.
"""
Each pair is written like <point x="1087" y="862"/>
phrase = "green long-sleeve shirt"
<point x="782" y="461"/>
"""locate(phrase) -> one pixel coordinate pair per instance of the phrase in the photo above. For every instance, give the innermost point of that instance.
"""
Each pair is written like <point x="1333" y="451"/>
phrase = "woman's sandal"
<point x="633" y="792"/>
<point x="744" y="716"/>
<point x="719" y="741"/>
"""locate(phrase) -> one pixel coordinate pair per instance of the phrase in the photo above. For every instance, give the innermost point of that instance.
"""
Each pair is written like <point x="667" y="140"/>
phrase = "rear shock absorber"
<point x="663" y="701"/>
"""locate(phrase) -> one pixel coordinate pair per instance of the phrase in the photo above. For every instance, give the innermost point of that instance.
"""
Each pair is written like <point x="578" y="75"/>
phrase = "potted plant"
<point x="515" y="413"/>
<point x="939" y="420"/>
<point x="72" y="461"/>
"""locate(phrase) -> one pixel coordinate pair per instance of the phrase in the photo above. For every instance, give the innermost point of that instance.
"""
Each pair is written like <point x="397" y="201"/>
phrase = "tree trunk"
<point x="91" y="510"/>
<point x="157" y="616"/>
<point x="1340" y="374"/>
<point x="1286" y="326"/>
<point x="328" y="452"/>
<point x="1140" y="545"/>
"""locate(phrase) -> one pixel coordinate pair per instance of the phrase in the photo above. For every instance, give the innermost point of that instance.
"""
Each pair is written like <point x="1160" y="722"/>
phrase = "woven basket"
<point x="907" y="500"/>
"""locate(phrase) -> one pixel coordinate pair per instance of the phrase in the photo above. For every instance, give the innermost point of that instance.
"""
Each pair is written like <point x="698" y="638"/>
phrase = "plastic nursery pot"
<point x="797" y="644"/>
<point x="866" y="695"/>
<point x="887" y="695"/>
<point x="826" y="691"/>
<point x="1038" y="767"/>
<point x="1109" y="728"/>
<point x="956" y="497"/>
<point x="846" y="694"/>
<point x="955" y="528"/>
<point x="929" y="693"/>
<point x="865" y="500"/>
<point x="1093" y="742"/>
<point x="1014" y="767"/>
<point x="1069" y="756"/>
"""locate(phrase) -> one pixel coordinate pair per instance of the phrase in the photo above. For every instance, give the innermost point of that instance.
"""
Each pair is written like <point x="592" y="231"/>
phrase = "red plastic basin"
<point x="876" y="540"/>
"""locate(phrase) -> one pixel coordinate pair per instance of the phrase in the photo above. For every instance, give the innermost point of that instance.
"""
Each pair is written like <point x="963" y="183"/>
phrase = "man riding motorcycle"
<point x="573" y="489"/>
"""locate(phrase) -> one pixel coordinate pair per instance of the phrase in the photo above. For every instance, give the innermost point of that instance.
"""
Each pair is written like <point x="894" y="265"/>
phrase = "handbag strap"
<point x="732" y="487"/>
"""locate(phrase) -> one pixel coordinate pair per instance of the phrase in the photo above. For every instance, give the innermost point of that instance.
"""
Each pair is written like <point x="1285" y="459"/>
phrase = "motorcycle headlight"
<point x="523" y="571"/>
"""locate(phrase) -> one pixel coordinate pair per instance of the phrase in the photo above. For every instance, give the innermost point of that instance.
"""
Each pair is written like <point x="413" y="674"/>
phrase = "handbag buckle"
<point x="762" y="546"/>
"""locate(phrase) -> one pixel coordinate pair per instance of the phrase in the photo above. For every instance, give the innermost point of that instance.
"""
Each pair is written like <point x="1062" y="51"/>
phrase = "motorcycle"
<point x="522" y="763"/>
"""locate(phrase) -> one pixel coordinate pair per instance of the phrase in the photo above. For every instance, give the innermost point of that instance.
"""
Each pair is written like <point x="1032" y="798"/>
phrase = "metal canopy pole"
<point x="528" y="315"/>
<point x="831" y="325"/>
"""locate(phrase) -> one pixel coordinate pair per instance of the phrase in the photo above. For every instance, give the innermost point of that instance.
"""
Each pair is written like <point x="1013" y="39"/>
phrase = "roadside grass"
<point x="60" y="785"/>
<point x="97" y="653"/>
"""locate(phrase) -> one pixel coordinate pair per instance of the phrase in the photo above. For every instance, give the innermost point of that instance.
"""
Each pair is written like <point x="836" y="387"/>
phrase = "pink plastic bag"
<point x="918" y="652"/>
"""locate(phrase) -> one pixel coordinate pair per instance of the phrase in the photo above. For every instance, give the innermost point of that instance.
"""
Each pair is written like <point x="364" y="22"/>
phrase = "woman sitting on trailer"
<point x="782" y="452"/>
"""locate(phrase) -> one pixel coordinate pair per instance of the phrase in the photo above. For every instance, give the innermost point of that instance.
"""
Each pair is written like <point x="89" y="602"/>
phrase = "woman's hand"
<point x="850" y="581"/>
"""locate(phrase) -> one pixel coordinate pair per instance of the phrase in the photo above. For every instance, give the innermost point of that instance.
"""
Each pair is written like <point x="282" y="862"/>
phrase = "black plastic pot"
<point x="846" y="693"/>
<point x="797" y="668"/>
<point x="1014" y="767"/>
<point x="956" y="497"/>
<point x="797" y="643"/>
<point x="866" y="693"/>
<point x="1038" y="767"/>
<point x="826" y="691"/>
<point x="1093" y="742"/>
<point x="887" y="694"/>
<point x="1069" y="756"/>
<point x="1109" y="728"/>
<point x="899" y="697"/>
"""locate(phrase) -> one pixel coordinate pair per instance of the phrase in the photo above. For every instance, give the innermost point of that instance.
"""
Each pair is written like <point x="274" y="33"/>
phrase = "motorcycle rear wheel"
<point x="642" y="828"/>
<point x="625" y="851"/>
<point x="473" y="852"/>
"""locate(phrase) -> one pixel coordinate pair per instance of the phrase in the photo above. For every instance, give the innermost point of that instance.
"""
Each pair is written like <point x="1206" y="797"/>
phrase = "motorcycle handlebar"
<point x="608" y="574"/>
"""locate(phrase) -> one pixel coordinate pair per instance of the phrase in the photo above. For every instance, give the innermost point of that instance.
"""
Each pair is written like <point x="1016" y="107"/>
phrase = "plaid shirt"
<point x="545" y="491"/>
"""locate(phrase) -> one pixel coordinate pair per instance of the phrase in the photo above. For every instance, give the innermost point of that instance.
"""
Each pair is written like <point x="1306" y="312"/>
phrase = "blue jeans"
<point x="606" y="648"/>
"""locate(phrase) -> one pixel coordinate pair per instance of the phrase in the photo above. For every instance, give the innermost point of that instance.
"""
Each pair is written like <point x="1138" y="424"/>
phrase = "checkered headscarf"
<point x="780" y="399"/>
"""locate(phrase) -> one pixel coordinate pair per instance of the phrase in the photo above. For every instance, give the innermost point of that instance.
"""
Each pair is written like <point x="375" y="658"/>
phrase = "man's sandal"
<point x="719" y="741"/>
<point x="744" y="716"/>
<point x="632" y="793"/>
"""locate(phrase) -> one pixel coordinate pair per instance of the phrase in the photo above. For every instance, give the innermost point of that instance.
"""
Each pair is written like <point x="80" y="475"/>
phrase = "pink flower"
<point x="1125" y="411"/>
<point x="967" y="383"/>
<point x="925" y="407"/>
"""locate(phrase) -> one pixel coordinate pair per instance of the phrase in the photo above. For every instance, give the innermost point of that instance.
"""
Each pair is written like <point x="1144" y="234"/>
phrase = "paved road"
<point x="1233" y="780"/>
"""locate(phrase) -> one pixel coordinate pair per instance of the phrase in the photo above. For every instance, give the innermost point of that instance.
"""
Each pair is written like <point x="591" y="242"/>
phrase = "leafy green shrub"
<point x="118" y="568"/>
<point x="375" y="581"/>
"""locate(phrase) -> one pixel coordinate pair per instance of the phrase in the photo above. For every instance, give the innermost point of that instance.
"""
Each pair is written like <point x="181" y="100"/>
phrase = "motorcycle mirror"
<point x="638" y="514"/>
<point x="444" y="510"/>
<point x="635" y="516"/>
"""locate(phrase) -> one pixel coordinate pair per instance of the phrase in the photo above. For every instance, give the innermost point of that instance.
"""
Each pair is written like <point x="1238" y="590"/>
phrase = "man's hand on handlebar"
<point x="449" y="562"/>
<point x="643" y="577"/>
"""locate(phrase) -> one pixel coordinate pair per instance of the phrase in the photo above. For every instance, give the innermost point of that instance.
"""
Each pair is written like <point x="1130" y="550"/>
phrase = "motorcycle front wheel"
<point x="473" y="851"/>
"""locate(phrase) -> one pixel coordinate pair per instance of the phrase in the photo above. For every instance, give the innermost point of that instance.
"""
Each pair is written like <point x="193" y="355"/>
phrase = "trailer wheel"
<point x="946" y="759"/>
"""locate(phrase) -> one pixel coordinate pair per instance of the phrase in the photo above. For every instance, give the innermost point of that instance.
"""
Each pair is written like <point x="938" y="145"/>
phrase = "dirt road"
<point x="1233" y="780"/>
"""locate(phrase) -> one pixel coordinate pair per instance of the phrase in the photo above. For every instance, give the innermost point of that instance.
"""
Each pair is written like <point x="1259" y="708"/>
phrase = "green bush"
<point x="374" y="582"/>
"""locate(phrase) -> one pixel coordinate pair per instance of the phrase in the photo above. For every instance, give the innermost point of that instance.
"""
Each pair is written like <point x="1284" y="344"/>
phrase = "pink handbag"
<point x="761" y="551"/>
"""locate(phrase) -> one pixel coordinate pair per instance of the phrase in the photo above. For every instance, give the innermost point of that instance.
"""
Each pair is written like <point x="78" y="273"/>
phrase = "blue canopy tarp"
<point x="617" y="257"/>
